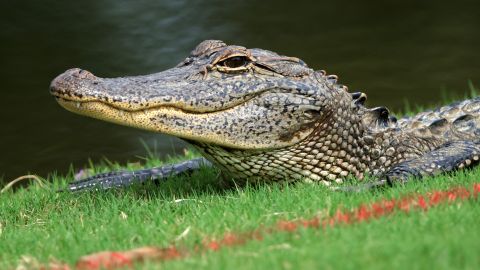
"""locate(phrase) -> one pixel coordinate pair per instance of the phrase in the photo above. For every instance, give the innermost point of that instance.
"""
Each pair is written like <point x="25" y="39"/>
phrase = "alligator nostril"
<point x="81" y="74"/>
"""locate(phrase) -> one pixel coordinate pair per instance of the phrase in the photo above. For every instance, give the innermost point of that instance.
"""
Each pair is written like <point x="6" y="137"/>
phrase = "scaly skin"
<point x="262" y="116"/>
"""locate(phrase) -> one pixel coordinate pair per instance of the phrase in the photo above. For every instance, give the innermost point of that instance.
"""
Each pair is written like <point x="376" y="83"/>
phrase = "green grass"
<point x="40" y="223"/>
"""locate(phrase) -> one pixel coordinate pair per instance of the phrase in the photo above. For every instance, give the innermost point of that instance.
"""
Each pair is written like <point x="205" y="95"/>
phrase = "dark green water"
<point x="394" y="52"/>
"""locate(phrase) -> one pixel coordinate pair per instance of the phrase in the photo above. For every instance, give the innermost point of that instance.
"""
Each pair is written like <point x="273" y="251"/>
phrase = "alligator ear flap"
<point x="286" y="66"/>
<point x="359" y="98"/>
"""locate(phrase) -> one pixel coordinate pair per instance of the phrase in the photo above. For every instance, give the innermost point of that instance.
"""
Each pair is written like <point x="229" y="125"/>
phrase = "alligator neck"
<point x="330" y="153"/>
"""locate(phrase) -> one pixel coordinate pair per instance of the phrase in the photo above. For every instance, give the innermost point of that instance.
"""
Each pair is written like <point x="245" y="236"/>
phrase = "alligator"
<point x="261" y="116"/>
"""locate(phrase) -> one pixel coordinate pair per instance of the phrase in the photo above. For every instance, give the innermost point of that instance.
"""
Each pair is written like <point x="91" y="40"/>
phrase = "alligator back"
<point x="456" y="121"/>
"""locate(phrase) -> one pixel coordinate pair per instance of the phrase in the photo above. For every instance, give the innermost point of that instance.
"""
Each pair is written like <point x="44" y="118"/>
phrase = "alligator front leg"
<point x="126" y="178"/>
<point x="448" y="157"/>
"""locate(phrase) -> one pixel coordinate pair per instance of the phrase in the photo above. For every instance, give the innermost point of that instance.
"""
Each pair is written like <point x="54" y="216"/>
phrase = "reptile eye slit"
<point x="235" y="62"/>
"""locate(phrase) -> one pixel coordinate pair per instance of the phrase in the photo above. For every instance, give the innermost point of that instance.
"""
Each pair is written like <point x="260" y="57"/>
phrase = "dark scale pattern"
<point x="336" y="149"/>
<point x="260" y="115"/>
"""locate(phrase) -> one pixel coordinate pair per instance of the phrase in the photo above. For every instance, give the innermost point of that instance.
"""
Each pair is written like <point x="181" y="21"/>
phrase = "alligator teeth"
<point x="78" y="104"/>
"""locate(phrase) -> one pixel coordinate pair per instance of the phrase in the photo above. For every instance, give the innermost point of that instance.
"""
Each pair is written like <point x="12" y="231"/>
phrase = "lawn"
<point x="40" y="224"/>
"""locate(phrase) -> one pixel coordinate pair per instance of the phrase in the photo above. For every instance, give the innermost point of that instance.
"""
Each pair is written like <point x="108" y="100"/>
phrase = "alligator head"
<point x="246" y="109"/>
<point x="224" y="95"/>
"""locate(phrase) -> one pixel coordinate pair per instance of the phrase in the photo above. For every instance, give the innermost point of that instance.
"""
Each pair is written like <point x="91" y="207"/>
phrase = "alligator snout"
<point x="66" y="81"/>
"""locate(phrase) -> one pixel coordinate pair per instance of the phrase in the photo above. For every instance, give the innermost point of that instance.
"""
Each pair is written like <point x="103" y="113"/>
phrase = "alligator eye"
<point x="235" y="62"/>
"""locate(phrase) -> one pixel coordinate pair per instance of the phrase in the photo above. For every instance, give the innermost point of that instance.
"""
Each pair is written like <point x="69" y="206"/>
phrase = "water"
<point x="393" y="51"/>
